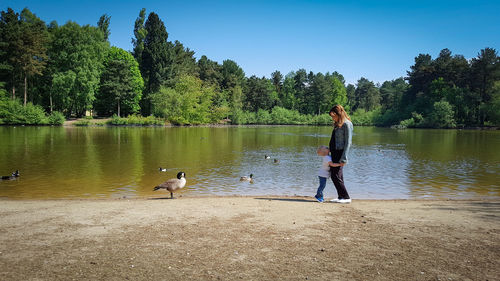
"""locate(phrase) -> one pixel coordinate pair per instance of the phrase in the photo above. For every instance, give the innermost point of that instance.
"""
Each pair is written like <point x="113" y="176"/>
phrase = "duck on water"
<point x="14" y="176"/>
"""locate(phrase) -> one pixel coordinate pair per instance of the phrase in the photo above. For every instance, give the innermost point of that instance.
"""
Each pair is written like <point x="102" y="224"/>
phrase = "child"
<point x="324" y="171"/>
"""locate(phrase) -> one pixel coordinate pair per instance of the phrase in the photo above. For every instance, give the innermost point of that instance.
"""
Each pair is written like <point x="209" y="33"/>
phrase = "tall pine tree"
<point x="156" y="66"/>
<point x="139" y="33"/>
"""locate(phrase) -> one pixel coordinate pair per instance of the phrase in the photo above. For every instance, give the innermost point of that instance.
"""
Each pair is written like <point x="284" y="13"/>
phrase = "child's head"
<point x="323" y="150"/>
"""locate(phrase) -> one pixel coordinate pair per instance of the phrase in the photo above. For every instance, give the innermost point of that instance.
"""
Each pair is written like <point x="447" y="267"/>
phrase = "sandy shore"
<point x="249" y="238"/>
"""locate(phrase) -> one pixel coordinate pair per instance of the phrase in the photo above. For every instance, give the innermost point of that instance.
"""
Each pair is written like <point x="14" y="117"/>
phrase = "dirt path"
<point x="249" y="238"/>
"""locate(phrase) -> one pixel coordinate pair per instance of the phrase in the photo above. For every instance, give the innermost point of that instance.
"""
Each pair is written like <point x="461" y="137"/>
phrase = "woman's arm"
<point x="331" y="164"/>
<point x="347" y="141"/>
<point x="331" y="144"/>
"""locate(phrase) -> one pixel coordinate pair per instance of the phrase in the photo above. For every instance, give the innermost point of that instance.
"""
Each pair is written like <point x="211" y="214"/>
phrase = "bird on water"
<point x="13" y="176"/>
<point x="247" y="178"/>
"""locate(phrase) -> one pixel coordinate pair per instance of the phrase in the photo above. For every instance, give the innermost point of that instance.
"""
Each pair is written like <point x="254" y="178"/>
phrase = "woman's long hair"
<point x="340" y="112"/>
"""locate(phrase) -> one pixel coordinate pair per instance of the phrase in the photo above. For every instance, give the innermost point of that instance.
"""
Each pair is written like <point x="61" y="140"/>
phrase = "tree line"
<point x="69" y="70"/>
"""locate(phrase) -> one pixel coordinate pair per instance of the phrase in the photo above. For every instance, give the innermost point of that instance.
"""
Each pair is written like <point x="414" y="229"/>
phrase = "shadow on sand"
<point x="487" y="210"/>
<point x="286" y="199"/>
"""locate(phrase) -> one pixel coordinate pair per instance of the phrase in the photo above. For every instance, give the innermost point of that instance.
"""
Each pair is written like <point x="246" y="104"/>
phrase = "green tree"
<point x="319" y="94"/>
<point x="77" y="54"/>
<point x="233" y="80"/>
<point x="301" y="84"/>
<point x="235" y="98"/>
<point x="23" y="39"/>
<point x="184" y="60"/>
<point x="10" y="49"/>
<point x="232" y="75"/>
<point x="325" y="91"/>
<point x="34" y="52"/>
<point x="156" y="67"/>
<point x="35" y="39"/>
<point x="420" y="77"/>
<point x="391" y="93"/>
<point x="441" y="115"/>
<point x="140" y="33"/>
<point x="277" y="79"/>
<point x="121" y="84"/>
<point x="103" y="25"/>
<point x="351" y="96"/>
<point x="492" y="109"/>
<point x="210" y="72"/>
<point x="187" y="102"/>
<point x="453" y="69"/>
<point x="259" y="94"/>
<point x="337" y="94"/>
<point x="287" y="95"/>
<point x="485" y="71"/>
<point x="367" y="95"/>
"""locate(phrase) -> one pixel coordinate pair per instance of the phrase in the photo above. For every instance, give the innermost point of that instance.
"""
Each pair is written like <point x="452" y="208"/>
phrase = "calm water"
<point x="59" y="162"/>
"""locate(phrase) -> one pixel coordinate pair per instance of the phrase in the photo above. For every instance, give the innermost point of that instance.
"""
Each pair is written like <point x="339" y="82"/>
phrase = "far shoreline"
<point x="70" y="123"/>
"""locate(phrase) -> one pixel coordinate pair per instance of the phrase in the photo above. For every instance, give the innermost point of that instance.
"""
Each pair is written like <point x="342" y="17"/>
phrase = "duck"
<point x="247" y="178"/>
<point x="13" y="176"/>
<point x="173" y="184"/>
<point x="276" y="161"/>
<point x="267" y="157"/>
<point x="162" y="169"/>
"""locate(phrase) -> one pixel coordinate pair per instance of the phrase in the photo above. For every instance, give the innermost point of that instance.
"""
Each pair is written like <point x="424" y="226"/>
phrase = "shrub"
<point x="117" y="121"/>
<point x="13" y="112"/>
<point x="82" y="123"/>
<point x="280" y="115"/>
<point x="137" y="120"/>
<point x="237" y="117"/>
<point x="56" y="118"/>
<point x="241" y="117"/>
<point x="263" y="117"/>
<point x="361" y="117"/>
<point x="408" y="123"/>
<point x="416" y="120"/>
<point x="323" y="119"/>
<point x="35" y="115"/>
<point x="442" y="115"/>
<point x="388" y="118"/>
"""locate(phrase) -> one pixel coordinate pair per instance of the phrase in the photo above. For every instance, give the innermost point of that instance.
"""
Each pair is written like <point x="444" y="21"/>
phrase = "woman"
<point x="340" y="142"/>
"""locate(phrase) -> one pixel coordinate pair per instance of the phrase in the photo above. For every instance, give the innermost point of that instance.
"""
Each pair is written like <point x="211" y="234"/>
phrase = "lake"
<point x="117" y="162"/>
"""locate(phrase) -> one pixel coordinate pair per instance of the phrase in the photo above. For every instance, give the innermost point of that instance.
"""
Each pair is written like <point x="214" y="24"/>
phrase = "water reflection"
<point x="57" y="162"/>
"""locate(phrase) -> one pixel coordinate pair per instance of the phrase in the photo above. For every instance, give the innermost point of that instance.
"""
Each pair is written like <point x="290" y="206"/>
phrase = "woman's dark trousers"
<point x="337" y="175"/>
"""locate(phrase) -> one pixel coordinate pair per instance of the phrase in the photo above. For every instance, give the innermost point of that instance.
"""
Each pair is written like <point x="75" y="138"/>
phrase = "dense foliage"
<point x="121" y="85"/>
<point x="73" y="70"/>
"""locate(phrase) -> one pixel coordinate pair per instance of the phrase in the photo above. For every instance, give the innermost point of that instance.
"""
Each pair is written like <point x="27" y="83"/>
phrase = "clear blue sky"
<point x="374" y="39"/>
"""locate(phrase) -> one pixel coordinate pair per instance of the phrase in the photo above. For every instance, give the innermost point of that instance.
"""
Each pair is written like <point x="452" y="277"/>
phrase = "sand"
<point x="249" y="238"/>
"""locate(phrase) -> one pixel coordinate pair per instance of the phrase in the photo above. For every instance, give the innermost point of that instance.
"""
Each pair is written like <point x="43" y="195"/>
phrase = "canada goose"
<point x="11" y="177"/>
<point x="245" y="178"/>
<point x="162" y="169"/>
<point x="276" y="161"/>
<point x="267" y="157"/>
<point x="173" y="184"/>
